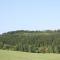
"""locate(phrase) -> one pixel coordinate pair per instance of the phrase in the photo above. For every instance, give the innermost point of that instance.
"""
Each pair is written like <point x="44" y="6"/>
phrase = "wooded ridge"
<point x="31" y="41"/>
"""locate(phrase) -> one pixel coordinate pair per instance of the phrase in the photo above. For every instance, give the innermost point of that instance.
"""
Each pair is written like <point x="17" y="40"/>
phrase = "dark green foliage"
<point x="31" y="41"/>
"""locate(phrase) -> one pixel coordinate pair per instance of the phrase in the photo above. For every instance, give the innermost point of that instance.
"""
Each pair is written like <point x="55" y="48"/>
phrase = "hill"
<point x="31" y="41"/>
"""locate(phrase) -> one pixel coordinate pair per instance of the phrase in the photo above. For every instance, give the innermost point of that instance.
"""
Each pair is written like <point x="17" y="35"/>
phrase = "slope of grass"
<point x="14" y="55"/>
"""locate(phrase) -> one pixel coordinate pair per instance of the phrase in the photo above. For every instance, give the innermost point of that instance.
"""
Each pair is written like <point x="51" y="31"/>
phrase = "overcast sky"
<point x="29" y="15"/>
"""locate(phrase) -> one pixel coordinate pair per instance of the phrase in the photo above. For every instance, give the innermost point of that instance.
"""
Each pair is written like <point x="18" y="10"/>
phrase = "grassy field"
<point x="14" y="55"/>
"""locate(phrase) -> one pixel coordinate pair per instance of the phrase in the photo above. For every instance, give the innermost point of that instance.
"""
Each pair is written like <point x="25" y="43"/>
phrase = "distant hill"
<point x="31" y="41"/>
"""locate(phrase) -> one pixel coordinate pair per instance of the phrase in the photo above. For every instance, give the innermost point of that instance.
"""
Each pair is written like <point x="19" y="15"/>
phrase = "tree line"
<point x="31" y="41"/>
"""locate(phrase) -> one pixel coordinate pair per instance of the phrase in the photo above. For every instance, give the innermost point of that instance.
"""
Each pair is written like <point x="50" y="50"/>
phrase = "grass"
<point x="15" y="55"/>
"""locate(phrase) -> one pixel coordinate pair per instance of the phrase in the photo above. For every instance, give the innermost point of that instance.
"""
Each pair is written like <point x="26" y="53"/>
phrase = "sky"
<point x="29" y="15"/>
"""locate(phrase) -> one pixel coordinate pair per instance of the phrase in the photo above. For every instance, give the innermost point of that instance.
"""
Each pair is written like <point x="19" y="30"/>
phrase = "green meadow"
<point x="16" y="55"/>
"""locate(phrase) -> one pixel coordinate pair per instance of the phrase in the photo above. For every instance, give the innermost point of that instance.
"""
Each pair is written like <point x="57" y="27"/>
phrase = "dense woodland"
<point x="31" y="41"/>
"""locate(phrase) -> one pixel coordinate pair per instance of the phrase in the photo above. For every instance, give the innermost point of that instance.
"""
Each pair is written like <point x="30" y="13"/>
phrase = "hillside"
<point x="31" y="41"/>
<point x="15" y="55"/>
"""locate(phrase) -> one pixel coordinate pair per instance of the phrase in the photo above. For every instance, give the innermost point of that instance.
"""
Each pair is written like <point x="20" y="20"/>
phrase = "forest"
<point x="47" y="41"/>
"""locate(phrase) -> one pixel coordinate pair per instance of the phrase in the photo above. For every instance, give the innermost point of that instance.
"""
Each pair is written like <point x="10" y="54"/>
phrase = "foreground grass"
<point x="14" y="55"/>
